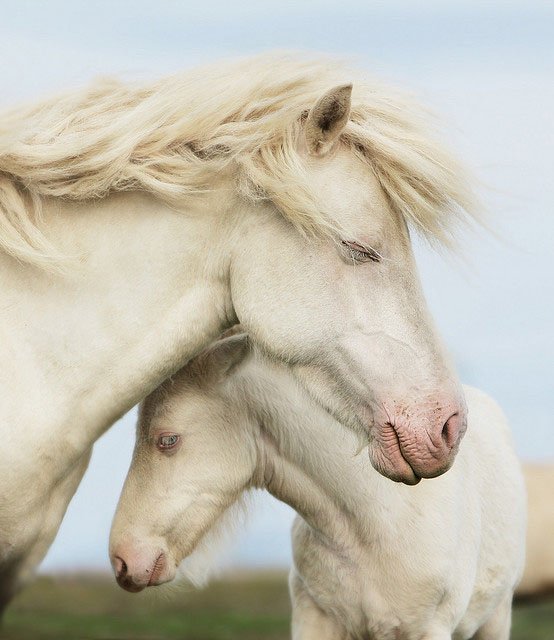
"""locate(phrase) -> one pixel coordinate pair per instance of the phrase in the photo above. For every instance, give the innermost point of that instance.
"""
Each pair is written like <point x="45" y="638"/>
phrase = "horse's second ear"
<point x="327" y="119"/>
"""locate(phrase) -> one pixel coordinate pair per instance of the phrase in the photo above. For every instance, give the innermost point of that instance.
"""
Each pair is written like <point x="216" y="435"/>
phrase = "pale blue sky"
<point x="487" y="68"/>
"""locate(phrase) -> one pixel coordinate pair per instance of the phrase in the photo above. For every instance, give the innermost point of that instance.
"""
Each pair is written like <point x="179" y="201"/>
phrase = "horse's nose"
<point x="120" y="567"/>
<point x="124" y="579"/>
<point x="138" y="565"/>
<point x="432" y="450"/>
<point x="418" y="440"/>
<point x="453" y="429"/>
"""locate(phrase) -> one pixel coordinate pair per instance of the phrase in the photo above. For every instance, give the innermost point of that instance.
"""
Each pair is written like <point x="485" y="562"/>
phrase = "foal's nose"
<point x="124" y="580"/>
<point x="138" y="565"/>
<point x="120" y="568"/>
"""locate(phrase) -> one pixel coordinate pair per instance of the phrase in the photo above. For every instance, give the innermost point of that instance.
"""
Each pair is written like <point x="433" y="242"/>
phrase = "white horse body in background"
<point x="372" y="558"/>
<point x="138" y="222"/>
<point x="538" y="577"/>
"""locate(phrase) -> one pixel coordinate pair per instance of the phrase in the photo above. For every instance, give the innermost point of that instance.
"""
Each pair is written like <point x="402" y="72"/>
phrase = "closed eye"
<point x="361" y="253"/>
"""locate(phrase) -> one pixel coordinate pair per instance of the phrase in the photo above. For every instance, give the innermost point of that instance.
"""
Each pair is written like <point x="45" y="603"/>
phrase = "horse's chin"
<point x="391" y="463"/>
<point x="132" y="588"/>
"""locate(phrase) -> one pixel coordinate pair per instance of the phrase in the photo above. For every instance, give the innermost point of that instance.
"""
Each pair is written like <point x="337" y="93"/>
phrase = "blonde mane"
<point x="172" y="137"/>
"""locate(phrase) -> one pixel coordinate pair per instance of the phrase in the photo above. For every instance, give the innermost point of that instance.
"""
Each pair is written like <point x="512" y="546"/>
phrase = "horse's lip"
<point x="156" y="570"/>
<point x="387" y="467"/>
<point x="417" y="477"/>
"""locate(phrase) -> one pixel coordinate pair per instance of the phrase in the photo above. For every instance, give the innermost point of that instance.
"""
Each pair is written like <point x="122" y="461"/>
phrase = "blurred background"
<point x="487" y="68"/>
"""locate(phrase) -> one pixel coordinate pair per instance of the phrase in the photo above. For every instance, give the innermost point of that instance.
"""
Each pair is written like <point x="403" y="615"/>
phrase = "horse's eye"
<point x="167" y="441"/>
<point x="360" y="253"/>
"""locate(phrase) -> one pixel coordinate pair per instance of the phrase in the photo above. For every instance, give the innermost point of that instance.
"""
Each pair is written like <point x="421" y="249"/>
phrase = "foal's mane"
<point x="172" y="137"/>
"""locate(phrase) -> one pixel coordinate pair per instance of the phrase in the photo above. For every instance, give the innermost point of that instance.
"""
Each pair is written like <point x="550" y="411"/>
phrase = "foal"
<point x="372" y="558"/>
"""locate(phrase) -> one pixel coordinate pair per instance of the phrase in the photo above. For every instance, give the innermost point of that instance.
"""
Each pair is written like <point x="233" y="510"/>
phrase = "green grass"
<point x="248" y="607"/>
<point x="534" y="621"/>
<point x="96" y="608"/>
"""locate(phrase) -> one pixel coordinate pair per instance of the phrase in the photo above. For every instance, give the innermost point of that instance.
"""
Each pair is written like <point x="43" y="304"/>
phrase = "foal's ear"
<point x="226" y="354"/>
<point x="327" y="119"/>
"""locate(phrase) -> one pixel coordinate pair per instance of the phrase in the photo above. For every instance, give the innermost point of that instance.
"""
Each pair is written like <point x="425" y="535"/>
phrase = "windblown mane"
<point x="171" y="137"/>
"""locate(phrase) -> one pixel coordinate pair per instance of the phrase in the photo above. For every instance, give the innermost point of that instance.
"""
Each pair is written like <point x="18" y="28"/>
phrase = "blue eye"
<point x="167" y="441"/>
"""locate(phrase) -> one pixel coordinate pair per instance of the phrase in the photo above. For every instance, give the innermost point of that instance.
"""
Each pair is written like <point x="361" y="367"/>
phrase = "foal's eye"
<point x="167" y="441"/>
<point x="360" y="253"/>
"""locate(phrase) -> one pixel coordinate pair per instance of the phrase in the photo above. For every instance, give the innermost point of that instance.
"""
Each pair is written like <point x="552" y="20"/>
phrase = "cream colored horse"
<point x="538" y="577"/>
<point x="372" y="558"/>
<point x="138" y="222"/>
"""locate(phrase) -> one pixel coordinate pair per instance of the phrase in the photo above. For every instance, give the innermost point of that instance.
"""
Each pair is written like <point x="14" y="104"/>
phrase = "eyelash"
<point x="359" y="253"/>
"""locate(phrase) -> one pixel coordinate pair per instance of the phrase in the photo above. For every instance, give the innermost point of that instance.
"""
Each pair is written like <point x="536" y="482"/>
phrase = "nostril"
<point x="120" y="567"/>
<point x="451" y="430"/>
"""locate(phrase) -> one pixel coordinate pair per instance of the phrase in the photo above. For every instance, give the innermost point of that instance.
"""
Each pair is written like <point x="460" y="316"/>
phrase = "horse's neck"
<point x="79" y="351"/>
<point x="308" y="460"/>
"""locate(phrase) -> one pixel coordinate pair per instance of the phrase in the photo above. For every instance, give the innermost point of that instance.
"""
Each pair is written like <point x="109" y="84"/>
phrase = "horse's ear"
<point x="327" y="119"/>
<point x="226" y="354"/>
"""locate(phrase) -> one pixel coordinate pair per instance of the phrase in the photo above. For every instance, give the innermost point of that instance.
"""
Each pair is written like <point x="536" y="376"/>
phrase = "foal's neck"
<point x="307" y="459"/>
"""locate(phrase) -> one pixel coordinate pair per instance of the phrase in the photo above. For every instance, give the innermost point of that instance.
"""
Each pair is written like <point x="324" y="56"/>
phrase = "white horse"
<point x="372" y="558"/>
<point x="138" y="222"/>
<point x="538" y="577"/>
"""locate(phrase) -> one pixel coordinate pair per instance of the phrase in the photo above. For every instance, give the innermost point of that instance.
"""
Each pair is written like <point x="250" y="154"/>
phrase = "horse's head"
<point x="190" y="464"/>
<point x="344" y="307"/>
